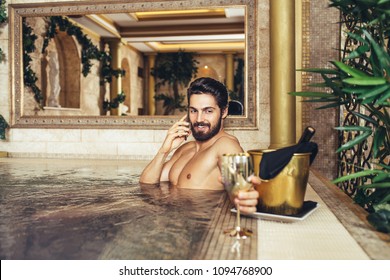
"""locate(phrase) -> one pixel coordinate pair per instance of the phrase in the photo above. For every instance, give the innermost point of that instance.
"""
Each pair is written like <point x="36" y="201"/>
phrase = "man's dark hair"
<point x="210" y="86"/>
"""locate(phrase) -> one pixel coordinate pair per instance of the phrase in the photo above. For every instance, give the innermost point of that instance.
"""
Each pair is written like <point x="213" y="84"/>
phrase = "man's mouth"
<point x="201" y="126"/>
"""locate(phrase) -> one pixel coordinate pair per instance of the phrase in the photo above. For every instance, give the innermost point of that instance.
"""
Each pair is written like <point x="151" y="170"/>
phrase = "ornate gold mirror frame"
<point x="18" y="11"/>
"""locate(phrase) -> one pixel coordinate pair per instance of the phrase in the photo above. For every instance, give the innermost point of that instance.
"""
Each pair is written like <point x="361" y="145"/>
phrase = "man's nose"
<point x="199" y="117"/>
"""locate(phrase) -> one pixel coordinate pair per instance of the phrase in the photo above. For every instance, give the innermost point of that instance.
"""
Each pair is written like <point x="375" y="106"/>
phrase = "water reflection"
<point x="64" y="210"/>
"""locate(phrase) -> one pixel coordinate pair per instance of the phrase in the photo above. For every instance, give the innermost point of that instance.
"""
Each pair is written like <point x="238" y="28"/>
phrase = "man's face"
<point x="205" y="116"/>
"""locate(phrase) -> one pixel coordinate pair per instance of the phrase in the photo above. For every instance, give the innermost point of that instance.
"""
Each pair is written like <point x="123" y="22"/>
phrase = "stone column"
<point x="229" y="71"/>
<point x="116" y="84"/>
<point x="150" y="100"/>
<point x="282" y="28"/>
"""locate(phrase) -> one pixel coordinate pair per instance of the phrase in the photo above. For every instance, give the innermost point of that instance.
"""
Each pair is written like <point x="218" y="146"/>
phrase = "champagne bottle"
<point x="307" y="134"/>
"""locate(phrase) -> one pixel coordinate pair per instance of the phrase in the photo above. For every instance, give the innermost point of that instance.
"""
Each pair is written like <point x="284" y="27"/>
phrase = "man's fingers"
<point x="247" y="210"/>
<point x="246" y="202"/>
<point x="255" y="179"/>
<point x="248" y="195"/>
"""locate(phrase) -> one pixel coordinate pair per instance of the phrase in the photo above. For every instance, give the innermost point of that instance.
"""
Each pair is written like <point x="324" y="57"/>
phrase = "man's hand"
<point x="247" y="200"/>
<point x="176" y="135"/>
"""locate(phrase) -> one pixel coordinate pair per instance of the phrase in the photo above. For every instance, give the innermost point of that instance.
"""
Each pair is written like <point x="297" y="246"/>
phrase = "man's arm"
<point x="152" y="172"/>
<point x="155" y="171"/>
<point x="246" y="200"/>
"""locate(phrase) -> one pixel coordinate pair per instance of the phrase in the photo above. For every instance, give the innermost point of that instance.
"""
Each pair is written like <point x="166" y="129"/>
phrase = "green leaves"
<point x="380" y="220"/>
<point x="3" y="126"/>
<point x="3" y="18"/>
<point x="29" y="76"/>
<point x="88" y="50"/>
<point x="365" y="81"/>
<point x="356" y="73"/>
<point x="365" y="173"/>
<point x="362" y="79"/>
<point x="3" y="14"/>
<point x="355" y="141"/>
<point x="114" y="104"/>
<point x="174" y="69"/>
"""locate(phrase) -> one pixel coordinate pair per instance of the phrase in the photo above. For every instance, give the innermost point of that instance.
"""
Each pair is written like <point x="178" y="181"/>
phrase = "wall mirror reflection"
<point x="119" y="64"/>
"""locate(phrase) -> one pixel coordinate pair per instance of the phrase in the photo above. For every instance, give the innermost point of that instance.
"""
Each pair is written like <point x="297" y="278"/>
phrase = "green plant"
<point x="108" y="105"/>
<point x="363" y="78"/>
<point x="3" y="18"/>
<point x="239" y="81"/>
<point x="170" y="103"/>
<point x="175" y="69"/>
<point x="106" y="70"/>
<point x="3" y="126"/>
<point x="88" y="52"/>
<point x="29" y="76"/>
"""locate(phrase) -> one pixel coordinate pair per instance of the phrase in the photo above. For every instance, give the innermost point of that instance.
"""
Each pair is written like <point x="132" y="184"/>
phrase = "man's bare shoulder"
<point x="228" y="143"/>
<point x="185" y="147"/>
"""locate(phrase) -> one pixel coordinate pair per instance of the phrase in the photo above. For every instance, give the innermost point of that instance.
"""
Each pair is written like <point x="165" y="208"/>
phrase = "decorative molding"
<point x="17" y="11"/>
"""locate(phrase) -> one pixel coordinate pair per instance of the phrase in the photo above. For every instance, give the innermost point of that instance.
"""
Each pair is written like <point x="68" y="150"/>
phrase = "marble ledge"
<point x="79" y="156"/>
<point x="83" y="135"/>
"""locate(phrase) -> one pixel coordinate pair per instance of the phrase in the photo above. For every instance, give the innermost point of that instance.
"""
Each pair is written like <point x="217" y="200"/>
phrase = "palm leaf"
<point x="368" y="100"/>
<point x="357" y="37"/>
<point x="358" y="139"/>
<point x="357" y="90"/>
<point x="377" y="90"/>
<point x="369" y="81"/>
<point x="354" y="128"/>
<point x="321" y="100"/>
<point x="350" y="70"/>
<point x="334" y="86"/>
<point x="332" y="105"/>
<point x="366" y="118"/>
<point x="358" y="52"/>
<point x="383" y="98"/>
<point x="381" y="177"/>
<point x="328" y="71"/>
<point x="383" y="56"/>
<point x="375" y="185"/>
<point x="311" y="94"/>
<point x="379" y="139"/>
<point x="359" y="174"/>
<point x="318" y="85"/>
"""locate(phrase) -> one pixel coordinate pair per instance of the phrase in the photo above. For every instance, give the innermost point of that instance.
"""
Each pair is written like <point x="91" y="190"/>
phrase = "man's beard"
<point x="204" y="136"/>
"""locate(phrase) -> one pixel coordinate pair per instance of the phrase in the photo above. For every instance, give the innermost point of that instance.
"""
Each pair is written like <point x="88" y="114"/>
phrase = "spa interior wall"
<point x="142" y="144"/>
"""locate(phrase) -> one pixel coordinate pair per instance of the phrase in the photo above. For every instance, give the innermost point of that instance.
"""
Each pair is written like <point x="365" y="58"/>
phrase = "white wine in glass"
<point x="235" y="169"/>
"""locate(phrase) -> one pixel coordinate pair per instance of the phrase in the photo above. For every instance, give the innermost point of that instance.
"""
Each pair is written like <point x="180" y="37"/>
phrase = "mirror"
<point x="60" y="112"/>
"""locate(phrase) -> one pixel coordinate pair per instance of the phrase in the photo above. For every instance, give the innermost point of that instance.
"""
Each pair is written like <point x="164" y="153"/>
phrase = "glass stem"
<point x="238" y="226"/>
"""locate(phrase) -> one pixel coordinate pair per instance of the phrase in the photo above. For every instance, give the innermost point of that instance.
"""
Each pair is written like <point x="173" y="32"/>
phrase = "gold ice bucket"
<point x="284" y="194"/>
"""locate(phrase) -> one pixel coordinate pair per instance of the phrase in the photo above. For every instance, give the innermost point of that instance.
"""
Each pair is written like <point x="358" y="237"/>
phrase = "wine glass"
<point x="235" y="169"/>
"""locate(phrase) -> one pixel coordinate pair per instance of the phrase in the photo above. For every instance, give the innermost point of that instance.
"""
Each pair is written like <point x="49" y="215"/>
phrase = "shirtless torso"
<point x="197" y="165"/>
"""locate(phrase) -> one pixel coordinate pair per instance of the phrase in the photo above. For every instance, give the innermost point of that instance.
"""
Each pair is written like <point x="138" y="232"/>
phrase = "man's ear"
<point x="225" y="112"/>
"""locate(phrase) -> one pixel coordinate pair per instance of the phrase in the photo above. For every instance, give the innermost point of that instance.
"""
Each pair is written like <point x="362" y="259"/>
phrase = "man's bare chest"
<point x="195" y="169"/>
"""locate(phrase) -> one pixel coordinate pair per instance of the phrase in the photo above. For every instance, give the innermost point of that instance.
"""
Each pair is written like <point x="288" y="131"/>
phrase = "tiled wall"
<point x="321" y="43"/>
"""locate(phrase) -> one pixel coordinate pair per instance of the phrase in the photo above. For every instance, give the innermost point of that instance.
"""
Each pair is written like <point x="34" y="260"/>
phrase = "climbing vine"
<point x="3" y="18"/>
<point x="89" y="52"/>
<point x="107" y="72"/>
<point x="108" y="105"/>
<point x="30" y="77"/>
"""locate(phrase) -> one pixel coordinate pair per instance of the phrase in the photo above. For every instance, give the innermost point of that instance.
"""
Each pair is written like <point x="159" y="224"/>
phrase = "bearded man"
<point x="197" y="164"/>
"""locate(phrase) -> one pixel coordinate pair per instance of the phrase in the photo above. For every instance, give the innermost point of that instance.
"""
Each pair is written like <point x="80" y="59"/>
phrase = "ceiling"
<point x="206" y="30"/>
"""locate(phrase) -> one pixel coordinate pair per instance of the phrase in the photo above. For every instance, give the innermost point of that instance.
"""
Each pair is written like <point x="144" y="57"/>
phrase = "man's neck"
<point x="201" y="145"/>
